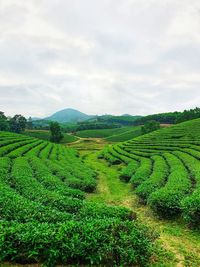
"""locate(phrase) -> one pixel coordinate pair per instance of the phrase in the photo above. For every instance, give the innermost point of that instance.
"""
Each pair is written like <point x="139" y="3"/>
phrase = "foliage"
<point x="164" y="168"/>
<point x="128" y="171"/>
<point x="45" y="135"/>
<point x="92" y="242"/>
<point x="127" y="134"/>
<point x="56" y="134"/>
<point x="46" y="219"/>
<point x="17" y="123"/>
<point x="150" y="126"/>
<point x="188" y="115"/>
<point x="100" y="133"/>
<point x="191" y="204"/>
<point x="4" y="124"/>
<point x="171" y="117"/>
<point x="124" y="120"/>
<point x="112" y="135"/>
<point x="142" y="173"/>
<point x="156" y="180"/>
<point x="29" y="123"/>
<point x="89" y="125"/>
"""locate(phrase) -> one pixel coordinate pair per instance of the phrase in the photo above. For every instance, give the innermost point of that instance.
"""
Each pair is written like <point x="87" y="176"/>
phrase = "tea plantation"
<point x="112" y="135"/>
<point x="44" y="217"/>
<point x="164" y="169"/>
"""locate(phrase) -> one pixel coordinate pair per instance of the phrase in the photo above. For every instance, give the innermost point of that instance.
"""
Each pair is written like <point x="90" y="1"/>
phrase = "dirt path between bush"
<point x="182" y="244"/>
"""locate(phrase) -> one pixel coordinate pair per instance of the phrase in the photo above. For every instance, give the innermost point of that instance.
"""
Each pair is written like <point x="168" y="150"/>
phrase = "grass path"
<point x="182" y="243"/>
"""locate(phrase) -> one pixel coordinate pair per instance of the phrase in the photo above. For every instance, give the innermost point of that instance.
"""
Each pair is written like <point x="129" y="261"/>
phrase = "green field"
<point x="112" y="135"/>
<point x="133" y="203"/>
<point x="46" y="218"/>
<point x="45" y="135"/>
<point x="127" y="134"/>
<point x="164" y="169"/>
<point x="181" y="244"/>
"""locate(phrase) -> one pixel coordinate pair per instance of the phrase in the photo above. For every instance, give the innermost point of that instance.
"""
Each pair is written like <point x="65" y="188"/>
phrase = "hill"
<point x="171" y="117"/>
<point x="45" y="135"/>
<point x="112" y="135"/>
<point x="73" y="120"/>
<point x="68" y="115"/>
<point x="123" y="120"/>
<point x="101" y="133"/>
<point x="127" y="134"/>
<point x="164" y="169"/>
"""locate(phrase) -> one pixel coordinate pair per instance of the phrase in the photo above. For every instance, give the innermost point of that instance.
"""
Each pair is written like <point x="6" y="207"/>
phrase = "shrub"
<point x="101" y="211"/>
<point x="87" y="185"/>
<point x="191" y="204"/>
<point x="128" y="171"/>
<point x="167" y="200"/>
<point x="191" y="209"/>
<point x="142" y="173"/>
<point x="155" y="181"/>
<point x="109" y="242"/>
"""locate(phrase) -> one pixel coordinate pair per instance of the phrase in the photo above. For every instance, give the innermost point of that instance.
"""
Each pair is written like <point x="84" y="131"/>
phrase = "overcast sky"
<point x="99" y="56"/>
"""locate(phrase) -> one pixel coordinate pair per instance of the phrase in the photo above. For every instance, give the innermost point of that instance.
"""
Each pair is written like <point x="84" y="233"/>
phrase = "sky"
<point x="133" y="57"/>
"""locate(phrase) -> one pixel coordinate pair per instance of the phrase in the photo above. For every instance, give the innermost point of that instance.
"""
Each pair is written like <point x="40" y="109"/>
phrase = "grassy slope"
<point x="45" y="135"/>
<point x="130" y="133"/>
<point x="88" y="144"/>
<point x="100" y="133"/>
<point x="112" y="135"/>
<point x="182" y="244"/>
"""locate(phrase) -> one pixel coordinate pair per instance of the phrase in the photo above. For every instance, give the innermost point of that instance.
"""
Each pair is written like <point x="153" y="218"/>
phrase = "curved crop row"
<point x="191" y="204"/>
<point x="14" y="206"/>
<point x="45" y="152"/>
<point x="156" y="180"/>
<point x="10" y="147"/>
<point x="45" y="219"/>
<point x="167" y="200"/>
<point x="35" y="151"/>
<point x="128" y="171"/>
<point x="170" y="183"/>
<point x="20" y="151"/>
<point x="143" y="172"/>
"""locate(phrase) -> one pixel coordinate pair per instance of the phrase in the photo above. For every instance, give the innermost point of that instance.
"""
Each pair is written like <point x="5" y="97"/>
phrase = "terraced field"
<point x="112" y="135"/>
<point x="164" y="169"/>
<point x="45" y="135"/>
<point x="44" y="217"/>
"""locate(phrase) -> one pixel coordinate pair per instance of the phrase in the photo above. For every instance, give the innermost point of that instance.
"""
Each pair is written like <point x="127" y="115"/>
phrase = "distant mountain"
<point x="35" y="118"/>
<point x="126" y="115"/>
<point x="68" y="115"/>
<point x="121" y="120"/>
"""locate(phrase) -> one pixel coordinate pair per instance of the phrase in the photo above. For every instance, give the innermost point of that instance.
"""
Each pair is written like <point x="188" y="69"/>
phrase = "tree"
<point x="18" y="123"/>
<point x="56" y="134"/>
<point x="30" y="123"/>
<point x="150" y="126"/>
<point x="4" y="125"/>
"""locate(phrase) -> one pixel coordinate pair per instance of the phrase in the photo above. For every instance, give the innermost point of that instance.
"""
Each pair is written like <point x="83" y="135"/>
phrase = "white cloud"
<point x="109" y="56"/>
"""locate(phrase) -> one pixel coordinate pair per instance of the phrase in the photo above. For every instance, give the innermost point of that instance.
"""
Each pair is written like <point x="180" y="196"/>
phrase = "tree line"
<point x="16" y="124"/>
<point x="171" y="117"/>
<point x="19" y="123"/>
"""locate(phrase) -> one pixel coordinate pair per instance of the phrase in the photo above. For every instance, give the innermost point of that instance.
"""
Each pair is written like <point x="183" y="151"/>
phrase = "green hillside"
<point x="45" y="218"/>
<point x="171" y="117"/>
<point x="112" y="135"/>
<point x="45" y="135"/>
<point x="164" y="169"/>
<point x="124" y="120"/>
<point x="127" y="134"/>
<point x="68" y="115"/>
<point x="101" y="133"/>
